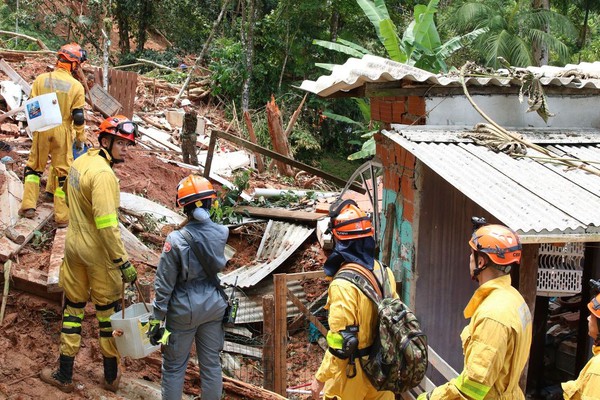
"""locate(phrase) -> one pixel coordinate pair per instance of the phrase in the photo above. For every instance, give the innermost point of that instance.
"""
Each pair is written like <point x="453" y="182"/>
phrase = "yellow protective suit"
<point x="495" y="345"/>
<point x="348" y="306"/>
<point x="587" y="385"/>
<point x="93" y="250"/>
<point x="57" y="141"/>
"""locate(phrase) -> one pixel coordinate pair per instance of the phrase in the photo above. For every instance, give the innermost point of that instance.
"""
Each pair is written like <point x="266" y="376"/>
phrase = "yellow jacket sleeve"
<point x="485" y="351"/>
<point x="587" y="384"/>
<point x="105" y="205"/>
<point x="343" y="308"/>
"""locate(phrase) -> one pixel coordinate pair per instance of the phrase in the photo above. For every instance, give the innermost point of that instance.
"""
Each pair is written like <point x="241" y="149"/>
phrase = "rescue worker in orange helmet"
<point x="587" y="384"/>
<point x="186" y="294"/>
<point x="352" y="315"/>
<point x="95" y="262"/>
<point x="497" y="340"/>
<point x="56" y="142"/>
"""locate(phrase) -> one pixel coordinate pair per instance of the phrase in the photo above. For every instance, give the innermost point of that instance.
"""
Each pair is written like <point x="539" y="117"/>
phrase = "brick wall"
<point x="408" y="110"/>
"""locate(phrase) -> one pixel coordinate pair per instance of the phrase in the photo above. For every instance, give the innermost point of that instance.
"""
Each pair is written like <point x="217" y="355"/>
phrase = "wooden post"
<point x="528" y="288"/>
<point x="280" y="337"/>
<point x="268" y="332"/>
<point x="209" y="156"/>
<point x="259" y="161"/>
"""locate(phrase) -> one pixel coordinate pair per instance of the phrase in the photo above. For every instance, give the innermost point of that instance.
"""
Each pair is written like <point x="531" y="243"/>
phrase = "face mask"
<point x="200" y="214"/>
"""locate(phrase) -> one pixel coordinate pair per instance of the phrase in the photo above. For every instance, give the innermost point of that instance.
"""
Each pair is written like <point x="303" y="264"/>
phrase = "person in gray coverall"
<point x="187" y="298"/>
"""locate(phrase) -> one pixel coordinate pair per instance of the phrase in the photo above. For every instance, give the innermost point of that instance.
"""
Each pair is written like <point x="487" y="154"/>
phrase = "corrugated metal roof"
<point x="279" y="241"/>
<point x="250" y="308"/>
<point x="356" y="72"/>
<point x="538" y="200"/>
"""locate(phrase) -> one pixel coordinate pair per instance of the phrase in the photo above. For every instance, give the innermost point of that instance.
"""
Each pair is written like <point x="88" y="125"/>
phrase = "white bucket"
<point x="43" y="112"/>
<point x="133" y="342"/>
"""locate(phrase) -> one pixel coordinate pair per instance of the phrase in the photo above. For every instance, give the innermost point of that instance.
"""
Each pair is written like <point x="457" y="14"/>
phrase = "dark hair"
<point x="498" y="267"/>
<point x="188" y="209"/>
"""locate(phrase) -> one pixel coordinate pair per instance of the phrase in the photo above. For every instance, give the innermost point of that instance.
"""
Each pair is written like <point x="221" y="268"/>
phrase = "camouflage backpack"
<point x="397" y="359"/>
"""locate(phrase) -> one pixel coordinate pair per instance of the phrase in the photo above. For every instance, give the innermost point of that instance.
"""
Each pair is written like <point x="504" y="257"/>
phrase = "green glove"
<point x="157" y="334"/>
<point x="128" y="272"/>
<point x="424" y="396"/>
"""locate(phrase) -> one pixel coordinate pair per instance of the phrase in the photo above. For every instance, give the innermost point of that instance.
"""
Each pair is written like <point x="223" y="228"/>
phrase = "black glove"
<point x="154" y="331"/>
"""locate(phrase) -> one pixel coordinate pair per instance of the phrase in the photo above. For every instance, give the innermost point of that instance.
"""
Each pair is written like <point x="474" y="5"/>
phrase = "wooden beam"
<point x="300" y="276"/>
<point x="307" y="313"/>
<point x="280" y="335"/>
<point x="278" y="157"/>
<point x="25" y="227"/>
<point x="528" y="272"/>
<point x="268" y="304"/>
<point x="238" y="348"/>
<point x="279" y="213"/>
<point x="388" y="235"/>
<point x="56" y="258"/>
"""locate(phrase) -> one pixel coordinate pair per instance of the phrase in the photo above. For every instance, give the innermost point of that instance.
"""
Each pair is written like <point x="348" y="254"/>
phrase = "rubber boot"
<point x="63" y="377"/>
<point x="112" y="377"/>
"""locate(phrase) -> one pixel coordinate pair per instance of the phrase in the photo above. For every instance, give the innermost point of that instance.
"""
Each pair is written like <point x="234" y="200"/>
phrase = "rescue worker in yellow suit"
<point x="497" y="340"/>
<point x="352" y="315"/>
<point x="95" y="263"/>
<point x="57" y="141"/>
<point x="587" y="384"/>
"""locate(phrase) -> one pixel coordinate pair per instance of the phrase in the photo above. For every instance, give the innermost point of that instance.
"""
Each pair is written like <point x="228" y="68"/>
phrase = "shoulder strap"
<point x="211" y="274"/>
<point x="355" y="273"/>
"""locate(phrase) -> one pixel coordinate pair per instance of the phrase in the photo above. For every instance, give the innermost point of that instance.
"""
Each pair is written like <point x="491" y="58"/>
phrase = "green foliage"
<point x="513" y="28"/>
<point x="227" y="67"/>
<point x="222" y="210"/>
<point x="28" y="25"/>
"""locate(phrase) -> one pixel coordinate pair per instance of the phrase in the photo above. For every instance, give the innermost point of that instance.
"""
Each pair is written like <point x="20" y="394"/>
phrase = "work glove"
<point x="156" y="334"/>
<point x="128" y="272"/>
<point x="424" y="396"/>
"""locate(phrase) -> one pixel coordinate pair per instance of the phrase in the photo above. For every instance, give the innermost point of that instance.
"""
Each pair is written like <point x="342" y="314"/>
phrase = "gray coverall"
<point x="193" y="308"/>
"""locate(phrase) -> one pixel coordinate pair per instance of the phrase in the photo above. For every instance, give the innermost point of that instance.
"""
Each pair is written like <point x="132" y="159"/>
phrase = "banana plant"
<point x="420" y="46"/>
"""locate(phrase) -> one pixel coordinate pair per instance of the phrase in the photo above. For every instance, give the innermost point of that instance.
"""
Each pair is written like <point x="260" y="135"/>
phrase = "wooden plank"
<point x="280" y="335"/>
<point x="307" y="313"/>
<point x="137" y="250"/>
<point x="122" y="86"/>
<point x="300" y="276"/>
<point x="56" y="257"/>
<point x="528" y="272"/>
<point x="280" y="214"/>
<point x="268" y="305"/>
<point x="25" y="227"/>
<point x="279" y="157"/>
<point x="104" y="102"/>
<point x="15" y="77"/>
<point x="156" y="138"/>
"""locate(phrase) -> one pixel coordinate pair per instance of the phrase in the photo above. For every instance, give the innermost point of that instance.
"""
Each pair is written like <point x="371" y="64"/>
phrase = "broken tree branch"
<point x="155" y="64"/>
<point x="7" y="266"/>
<point x="38" y="41"/>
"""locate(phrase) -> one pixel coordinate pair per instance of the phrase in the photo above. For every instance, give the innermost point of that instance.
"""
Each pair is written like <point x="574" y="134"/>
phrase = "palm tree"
<point x="514" y="29"/>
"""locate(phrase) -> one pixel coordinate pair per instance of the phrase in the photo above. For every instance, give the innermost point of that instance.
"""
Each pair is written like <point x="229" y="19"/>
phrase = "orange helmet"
<point x="500" y="243"/>
<point x="594" y="306"/>
<point x="193" y="188"/>
<point x="72" y="53"/>
<point x="349" y="222"/>
<point x="119" y="126"/>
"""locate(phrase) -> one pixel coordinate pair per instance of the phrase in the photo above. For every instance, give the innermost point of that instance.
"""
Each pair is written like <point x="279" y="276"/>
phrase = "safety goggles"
<point x="84" y="55"/>
<point x="127" y="128"/>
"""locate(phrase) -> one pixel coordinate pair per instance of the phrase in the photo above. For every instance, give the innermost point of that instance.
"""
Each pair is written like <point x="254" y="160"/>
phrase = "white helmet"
<point x="185" y="102"/>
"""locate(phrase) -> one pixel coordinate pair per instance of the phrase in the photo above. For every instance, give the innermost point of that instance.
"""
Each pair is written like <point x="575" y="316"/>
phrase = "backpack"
<point x="397" y="359"/>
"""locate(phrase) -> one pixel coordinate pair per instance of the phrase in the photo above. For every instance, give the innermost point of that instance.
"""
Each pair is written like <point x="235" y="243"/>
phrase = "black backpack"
<point x="397" y="359"/>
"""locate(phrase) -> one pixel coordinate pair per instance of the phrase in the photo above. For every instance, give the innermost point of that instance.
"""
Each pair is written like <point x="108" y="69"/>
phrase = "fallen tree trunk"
<point x="249" y="391"/>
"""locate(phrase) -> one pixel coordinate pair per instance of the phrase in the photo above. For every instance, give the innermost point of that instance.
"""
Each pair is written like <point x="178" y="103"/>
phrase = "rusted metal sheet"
<point x="279" y="242"/>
